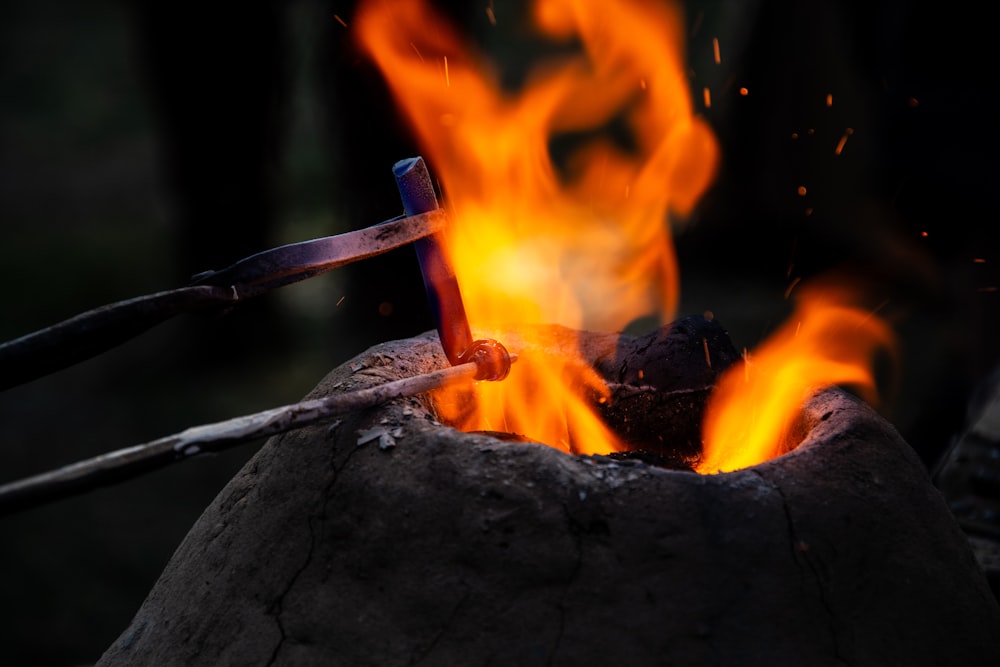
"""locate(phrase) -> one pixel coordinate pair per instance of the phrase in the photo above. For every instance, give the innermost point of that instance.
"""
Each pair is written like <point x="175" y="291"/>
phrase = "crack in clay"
<point x="799" y="549"/>
<point x="444" y="627"/>
<point x="318" y="517"/>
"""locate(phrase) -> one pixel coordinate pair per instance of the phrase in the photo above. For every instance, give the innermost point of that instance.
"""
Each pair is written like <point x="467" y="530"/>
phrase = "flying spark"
<point x="843" y="140"/>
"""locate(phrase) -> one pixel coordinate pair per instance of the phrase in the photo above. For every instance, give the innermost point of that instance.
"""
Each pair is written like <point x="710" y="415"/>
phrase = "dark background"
<point x="141" y="142"/>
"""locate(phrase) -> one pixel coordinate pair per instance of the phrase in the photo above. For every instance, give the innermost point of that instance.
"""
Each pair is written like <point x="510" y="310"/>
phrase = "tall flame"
<point x="559" y="195"/>
<point x="580" y="239"/>
<point x="827" y="341"/>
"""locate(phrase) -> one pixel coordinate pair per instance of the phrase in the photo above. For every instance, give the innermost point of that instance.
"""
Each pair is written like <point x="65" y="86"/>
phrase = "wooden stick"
<point x="132" y="461"/>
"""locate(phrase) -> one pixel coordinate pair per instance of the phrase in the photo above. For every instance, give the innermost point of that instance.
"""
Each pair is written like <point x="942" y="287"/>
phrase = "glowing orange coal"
<point x="559" y="192"/>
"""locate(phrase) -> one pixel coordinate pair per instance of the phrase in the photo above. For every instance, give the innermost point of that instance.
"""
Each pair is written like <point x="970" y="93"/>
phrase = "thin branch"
<point x="132" y="461"/>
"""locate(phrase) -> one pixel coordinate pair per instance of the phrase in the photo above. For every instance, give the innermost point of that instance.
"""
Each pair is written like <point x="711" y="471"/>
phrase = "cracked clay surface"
<point x="334" y="546"/>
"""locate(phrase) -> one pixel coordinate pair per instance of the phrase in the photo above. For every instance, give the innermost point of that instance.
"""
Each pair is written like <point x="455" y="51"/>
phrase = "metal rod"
<point x="417" y="192"/>
<point x="123" y="464"/>
<point x="95" y="331"/>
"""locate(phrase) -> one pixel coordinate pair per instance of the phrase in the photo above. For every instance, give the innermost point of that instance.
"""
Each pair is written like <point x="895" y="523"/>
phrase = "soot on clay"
<point x="660" y="383"/>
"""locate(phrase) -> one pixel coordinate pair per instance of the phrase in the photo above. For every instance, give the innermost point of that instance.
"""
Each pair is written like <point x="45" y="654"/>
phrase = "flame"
<point x="560" y="193"/>
<point x="827" y="341"/>
<point x="555" y="218"/>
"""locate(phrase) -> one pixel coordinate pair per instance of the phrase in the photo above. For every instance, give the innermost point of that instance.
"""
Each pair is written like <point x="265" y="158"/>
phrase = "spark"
<point x="924" y="234"/>
<point x="490" y="15"/>
<point x="978" y="260"/>
<point x="871" y="313"/>
<point x="708" y="357"/>
<point x="843" y="140"/>
<point x="796" y="281"/>
<point x="914" y="102"/>
<point x="341" y="300"/>
<point x="829" y="99"/>
<point x="708" y="98"/>
<point x="642" y="84"/>
<point x="697" y="23"/>
<point x="988" y="289"/>
<point x="417" y="51"/>
<point x="340" y="20"/>
<point x="715" y="49"/>
<point x="447" y="79"/>
<point x="801" y="190"/>
<point x="743" y="91"/>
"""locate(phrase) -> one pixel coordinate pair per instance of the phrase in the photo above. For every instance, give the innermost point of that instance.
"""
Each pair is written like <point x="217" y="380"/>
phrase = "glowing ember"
<point x="560" y="195"/>
<point x="843" y="140"/>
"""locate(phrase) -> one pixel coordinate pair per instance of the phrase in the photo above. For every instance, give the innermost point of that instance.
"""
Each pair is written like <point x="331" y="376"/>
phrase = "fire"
<point x="559" y="195"/>
<point x="579" y="238"/>
<point x="827" y="341"/>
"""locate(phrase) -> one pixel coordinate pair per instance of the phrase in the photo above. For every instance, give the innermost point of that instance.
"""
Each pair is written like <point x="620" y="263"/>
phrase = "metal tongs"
<point x="100" y="329"/>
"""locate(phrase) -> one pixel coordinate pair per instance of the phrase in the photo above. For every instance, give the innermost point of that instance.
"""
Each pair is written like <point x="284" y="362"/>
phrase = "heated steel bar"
<point x="417" y="192"/>
<point x="492" y="359"/>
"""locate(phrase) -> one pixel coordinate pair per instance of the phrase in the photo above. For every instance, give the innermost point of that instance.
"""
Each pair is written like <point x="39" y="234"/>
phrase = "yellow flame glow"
<point x="827" y="341"/>
<point x="578" y="235"/>
<point x="581" y="241"/>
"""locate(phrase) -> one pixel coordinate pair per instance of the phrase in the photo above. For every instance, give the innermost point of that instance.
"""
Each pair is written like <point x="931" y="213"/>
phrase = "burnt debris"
<point x="660" y="383"/>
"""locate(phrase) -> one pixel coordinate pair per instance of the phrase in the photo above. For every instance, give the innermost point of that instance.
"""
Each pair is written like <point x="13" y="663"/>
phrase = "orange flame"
<point x="559" y="195"/>
<point x="826" y="342"/>
<point x="580" y="240"/>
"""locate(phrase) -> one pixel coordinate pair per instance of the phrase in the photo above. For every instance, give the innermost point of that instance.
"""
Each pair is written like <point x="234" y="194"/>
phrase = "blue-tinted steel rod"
<point x="417" y="192"/>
